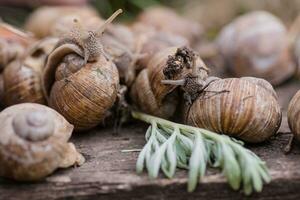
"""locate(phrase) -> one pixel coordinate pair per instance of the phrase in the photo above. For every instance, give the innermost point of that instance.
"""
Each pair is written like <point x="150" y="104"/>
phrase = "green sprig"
<point x="170" y="145"/>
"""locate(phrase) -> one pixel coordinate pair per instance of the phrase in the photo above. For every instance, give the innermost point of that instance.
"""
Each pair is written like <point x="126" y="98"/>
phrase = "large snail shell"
<point x="42" y="21"/>
<point x="82" y="93"/>
<point x="245" y="108"/>
<point x="22" y="77"/>
<point x="294" y="115"/>
<point x="165" y="19"/>
<point x="151" y="41"/>
<point x="150" y="95"/>
<point x="256" y="44"/>
<point x="34" y="142"/>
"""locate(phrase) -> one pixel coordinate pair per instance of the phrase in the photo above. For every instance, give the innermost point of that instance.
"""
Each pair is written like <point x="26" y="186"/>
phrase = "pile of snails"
<point x="66" y="71"/>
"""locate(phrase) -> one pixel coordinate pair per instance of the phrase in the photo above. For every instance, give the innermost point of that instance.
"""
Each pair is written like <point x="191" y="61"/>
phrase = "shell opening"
<point x="33" y="126"/>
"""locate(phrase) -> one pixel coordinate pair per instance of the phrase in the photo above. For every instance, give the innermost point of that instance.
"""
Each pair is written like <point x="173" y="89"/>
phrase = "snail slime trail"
<point x="79" y="81"/>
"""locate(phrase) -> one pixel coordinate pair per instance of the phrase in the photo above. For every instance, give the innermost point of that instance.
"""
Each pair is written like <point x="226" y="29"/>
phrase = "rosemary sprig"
<point x="170" y="145"/>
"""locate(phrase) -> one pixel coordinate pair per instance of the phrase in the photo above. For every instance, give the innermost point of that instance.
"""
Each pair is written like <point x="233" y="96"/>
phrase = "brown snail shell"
<point x="13" y="43"/>
<point x="174" y="63"/>
<point x="151" y="41"/>
<point x="256" y="44"/>
<point x="165" y="19"/>
<point x="42" y="21"/>
<point x="1" y="90"/>
<point x="293" y="115"/>
<point x="22" y="77"/>
<point x="246" y="108"/>
<point x="34" y="142"/>
<point x="79" y="81"/>
<point x="119" y="44"/>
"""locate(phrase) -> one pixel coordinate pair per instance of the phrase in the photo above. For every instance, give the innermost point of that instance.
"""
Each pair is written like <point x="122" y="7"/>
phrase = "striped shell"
<point x="245" y="108"/>
<point x="294" y="115"/>
<point x="150" y="95"/>
<point x="22" y="77"/>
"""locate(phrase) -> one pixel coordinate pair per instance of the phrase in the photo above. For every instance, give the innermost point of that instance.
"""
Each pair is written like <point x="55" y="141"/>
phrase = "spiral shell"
<point x="293" y="115"/>
<point x="246" y="108"/>
<point x="255" y="44"/>
<point x="34" y="142"/>
<point x="22" y="77"/>
<point x="165" y="19"/>
<point x="150" y="95"/>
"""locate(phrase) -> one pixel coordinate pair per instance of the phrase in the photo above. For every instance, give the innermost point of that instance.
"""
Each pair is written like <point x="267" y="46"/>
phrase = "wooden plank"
<point x="110" y="174"/>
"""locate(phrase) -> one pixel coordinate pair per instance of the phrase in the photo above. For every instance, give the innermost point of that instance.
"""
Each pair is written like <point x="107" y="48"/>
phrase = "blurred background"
<point x="212" y="14"/>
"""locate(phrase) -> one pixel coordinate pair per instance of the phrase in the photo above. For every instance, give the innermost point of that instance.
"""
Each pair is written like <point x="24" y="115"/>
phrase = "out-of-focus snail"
<point x="12" y="44"/>
<point x="79" y="81"/>
<point x="151" y="41"/>
<point x="119" y="44"/>
<point x="34" y="142"/>
<point x="256" y="44"/>
<point x="151" y="96"/>
<point x="165" y="19"/>
<point x="47" y="20"/>
<point x="22" y="77"/>
<point x="246" y="108"/>
<point x="293" y="115"/>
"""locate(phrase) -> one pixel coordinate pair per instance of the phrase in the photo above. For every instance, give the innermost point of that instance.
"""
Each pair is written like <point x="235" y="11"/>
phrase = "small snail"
<point x="256" y="44"/>
<point x="79" y="81"/>
<point x="246" y="108"/>
<point x="42" y="22"/>
<point x="150" y="95"/>
<point x="22" y="77"/>
<point x="165" y="19"/>
<point x="12" y="44"/>
<point x="151" y="41"/>
<point x="293" y="115"/>
<point x="34" y="142"/>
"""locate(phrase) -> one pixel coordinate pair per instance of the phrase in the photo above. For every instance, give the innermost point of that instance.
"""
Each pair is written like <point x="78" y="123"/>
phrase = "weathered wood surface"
<point x="110" y="174"/>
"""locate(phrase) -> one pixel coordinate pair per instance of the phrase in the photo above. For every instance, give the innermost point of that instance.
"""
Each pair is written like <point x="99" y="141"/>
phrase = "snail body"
<point x="246" y="108"/>
<point x="34" y="142"/>
<point x="174" y="63"/>
<point x="79" y="81"/>
<point x="22" y="77"/>
<point x="293" y="115"/>
<point x="256" y="44"/>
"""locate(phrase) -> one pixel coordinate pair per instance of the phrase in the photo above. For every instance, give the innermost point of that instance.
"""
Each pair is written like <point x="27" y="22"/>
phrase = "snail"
<point x="34" y="142"/>
<point x="173" y="63"/>
<point x="165" y="19"/>
<point x="22" y="77"/>
<point x="150" y="41"/>
<point x="246" y="108"/>
<point x="119" y="44"/>
<point x="45" y="20"/>
<point x="13" y="43"/>
<point x="256" y="44"/>
<point x="294" y="42"/>
<point x="79" y="81"/>
<point x="293" y="115"/>
<point x="1" y="90"/>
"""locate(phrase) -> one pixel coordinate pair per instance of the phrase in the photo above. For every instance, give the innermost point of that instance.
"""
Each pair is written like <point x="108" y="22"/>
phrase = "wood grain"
<point x="110" y="174"/>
